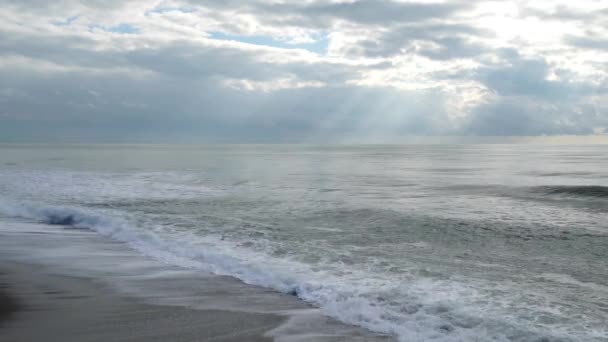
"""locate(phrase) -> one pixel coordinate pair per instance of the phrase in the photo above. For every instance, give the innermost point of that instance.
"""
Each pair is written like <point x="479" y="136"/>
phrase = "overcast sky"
<point x="300" y="71"/>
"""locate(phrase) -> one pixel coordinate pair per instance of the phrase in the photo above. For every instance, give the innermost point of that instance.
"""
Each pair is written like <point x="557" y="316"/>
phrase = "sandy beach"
<point x="60" y="308"/>
<point x="60" y="284"/>
<point x="8" y="303"/>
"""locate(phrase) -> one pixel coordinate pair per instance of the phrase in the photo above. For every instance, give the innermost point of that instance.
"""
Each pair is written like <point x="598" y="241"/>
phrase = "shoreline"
<point x="75" y="285"/>
<point x="63" y="308"/>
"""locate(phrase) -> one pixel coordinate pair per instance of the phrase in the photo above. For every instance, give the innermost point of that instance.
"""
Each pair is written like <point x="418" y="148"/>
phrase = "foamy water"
<point x="461" y="243"/>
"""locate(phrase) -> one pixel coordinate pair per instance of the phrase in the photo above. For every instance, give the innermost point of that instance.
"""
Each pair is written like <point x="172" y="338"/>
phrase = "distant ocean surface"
<point x="422" y="242"/>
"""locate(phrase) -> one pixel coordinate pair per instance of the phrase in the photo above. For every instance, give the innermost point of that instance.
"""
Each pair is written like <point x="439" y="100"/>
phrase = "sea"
<point x="471" y="242"/>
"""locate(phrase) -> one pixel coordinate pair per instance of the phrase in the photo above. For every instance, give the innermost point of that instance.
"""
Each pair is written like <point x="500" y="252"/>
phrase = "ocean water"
<point x="419" y="242"/>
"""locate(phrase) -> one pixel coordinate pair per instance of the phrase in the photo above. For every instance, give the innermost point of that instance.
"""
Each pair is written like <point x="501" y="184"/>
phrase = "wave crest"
<point x="597" y="191"/>
<point x="52" y="215"/>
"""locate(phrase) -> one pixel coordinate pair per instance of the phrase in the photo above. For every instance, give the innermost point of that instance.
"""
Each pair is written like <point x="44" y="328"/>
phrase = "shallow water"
<point x="445" y="243"/>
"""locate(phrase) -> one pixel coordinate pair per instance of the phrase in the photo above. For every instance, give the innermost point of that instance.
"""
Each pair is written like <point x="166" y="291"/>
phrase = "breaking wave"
<point x="574" y="190"/>
<point x="419" y="310"/>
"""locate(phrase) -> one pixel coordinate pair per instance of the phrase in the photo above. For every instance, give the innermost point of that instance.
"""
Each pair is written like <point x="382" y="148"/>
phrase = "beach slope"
<point x="38" y="306"/>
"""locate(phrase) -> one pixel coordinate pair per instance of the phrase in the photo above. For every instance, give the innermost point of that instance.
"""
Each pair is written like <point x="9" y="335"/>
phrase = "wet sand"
<point x="75" y="285"/>
<point x="38" y="306"/>
<point x="8" y="304"/>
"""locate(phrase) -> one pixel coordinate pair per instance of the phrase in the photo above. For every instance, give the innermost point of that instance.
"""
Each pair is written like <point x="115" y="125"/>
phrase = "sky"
<point x="307" y="71"/>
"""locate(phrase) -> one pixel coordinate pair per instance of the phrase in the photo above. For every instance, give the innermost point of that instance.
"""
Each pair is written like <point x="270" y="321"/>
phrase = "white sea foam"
<point x="569" y="280"/>
<point x="414" y="309"/>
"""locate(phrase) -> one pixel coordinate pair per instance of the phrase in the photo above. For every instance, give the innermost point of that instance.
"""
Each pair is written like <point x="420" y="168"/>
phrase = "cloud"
<point x="521" y="117"/>
<point x="375" y="11"/>
<point x="433" y="40"/>
<point x="160" y="108"/>
<point x="527" y="77"/>
<point x="323" y="13"/>
<point x="253" y="71"/>
<point x="595" y="43"/>
<point x="533" y="98"/>
<point x="564" y="12"/>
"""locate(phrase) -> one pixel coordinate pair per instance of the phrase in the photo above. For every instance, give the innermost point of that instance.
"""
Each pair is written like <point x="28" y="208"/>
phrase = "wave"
<point x="564" y="174"/>
<point x="592" y="197"/>
<point x="596" y="191"/>
<point x="411" y="309"/>
<point x="60" y="216"/>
